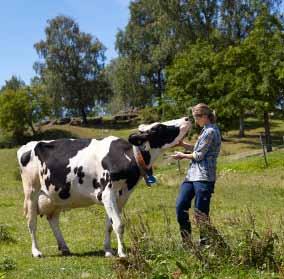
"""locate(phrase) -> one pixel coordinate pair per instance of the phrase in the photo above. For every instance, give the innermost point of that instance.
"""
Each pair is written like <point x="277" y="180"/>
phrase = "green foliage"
<point x="5" y="235"/>
<point x="190" y="75"/>
<point x="21" y="108"/>
<point x="72" y="64"/>
<point x="266" y="41"/>
<point x="15" y="111"/>
<point x="234" y="80"/>
<point x="124" y="77"/>
<point x="157" y="31"/>
<point x="149" y="115"/>
<point x="14" y="83"/>
<point x="7" y="264"/>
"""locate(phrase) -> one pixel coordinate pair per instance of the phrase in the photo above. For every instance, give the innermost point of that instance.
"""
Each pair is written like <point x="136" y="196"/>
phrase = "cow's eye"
<point x="155" y="129"/>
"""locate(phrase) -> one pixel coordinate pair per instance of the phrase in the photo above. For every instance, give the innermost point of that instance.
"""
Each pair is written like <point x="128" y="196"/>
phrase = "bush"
<point x="5" y="235"/>
<point x="7" y="264"/>
<point x="149" y="115"/>
<point x="19" y="109"/>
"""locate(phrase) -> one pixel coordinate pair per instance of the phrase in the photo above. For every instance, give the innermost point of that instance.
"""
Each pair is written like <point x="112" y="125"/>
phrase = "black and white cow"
<point x="68" y="173"/>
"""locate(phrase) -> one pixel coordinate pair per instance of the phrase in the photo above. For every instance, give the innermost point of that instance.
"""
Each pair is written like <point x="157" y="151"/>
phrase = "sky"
<point x="22" y="24"/>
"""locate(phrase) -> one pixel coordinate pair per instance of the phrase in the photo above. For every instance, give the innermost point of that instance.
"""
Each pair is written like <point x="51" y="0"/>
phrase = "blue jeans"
<point x="202" y="191"/>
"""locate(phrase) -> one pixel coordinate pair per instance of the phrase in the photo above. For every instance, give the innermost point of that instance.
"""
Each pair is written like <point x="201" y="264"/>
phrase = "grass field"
<point x="247" y="210"/>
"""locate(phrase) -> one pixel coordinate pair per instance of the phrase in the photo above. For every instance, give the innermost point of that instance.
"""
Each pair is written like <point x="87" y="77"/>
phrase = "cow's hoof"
<point x="109" y="253"/>
<point x="65" y="252"/>
<point x="122" y="255"/>
<point x="36" y="254"/>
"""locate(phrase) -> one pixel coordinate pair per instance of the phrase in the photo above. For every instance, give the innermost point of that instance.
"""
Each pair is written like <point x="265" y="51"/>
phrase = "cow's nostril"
<point x="186" y="119"/>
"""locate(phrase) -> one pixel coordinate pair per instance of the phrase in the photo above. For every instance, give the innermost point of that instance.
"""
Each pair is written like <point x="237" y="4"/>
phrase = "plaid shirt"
<point x="205" y="153"/>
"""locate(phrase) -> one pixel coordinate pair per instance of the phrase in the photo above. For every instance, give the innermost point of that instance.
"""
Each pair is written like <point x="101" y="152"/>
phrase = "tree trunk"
<point x="268" y="140"/>
<point x="161" y="92"/>
<point x="242" y="127"/>
<point x="160" y="85"/>
<point x="32" y="127"/>
<point x="84" y="116"/>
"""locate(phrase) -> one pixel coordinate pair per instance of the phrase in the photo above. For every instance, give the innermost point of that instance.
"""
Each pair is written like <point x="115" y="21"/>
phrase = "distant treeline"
<point x="172" y="55"/>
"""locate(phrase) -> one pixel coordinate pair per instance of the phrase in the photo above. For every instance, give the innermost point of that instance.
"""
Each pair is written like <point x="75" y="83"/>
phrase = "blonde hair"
<point x="203" y="109"/>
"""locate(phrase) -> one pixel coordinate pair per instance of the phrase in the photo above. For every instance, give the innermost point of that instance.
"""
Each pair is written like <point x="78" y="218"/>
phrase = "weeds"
<point x="257" y="249"/>
<point x="5" y="235"/>
<point x="7" y="264"/>
<point x="165" y="257"/>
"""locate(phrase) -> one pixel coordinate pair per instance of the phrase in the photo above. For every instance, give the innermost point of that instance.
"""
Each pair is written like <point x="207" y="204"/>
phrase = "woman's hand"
<point x="180" y="155"/>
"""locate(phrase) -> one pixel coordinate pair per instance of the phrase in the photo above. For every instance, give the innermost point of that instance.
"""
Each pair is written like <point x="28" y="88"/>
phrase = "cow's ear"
<point x="137" y="139"/>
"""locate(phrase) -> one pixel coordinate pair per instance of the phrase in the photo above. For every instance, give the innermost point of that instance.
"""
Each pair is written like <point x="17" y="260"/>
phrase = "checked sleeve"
<point x="203" y="145"/>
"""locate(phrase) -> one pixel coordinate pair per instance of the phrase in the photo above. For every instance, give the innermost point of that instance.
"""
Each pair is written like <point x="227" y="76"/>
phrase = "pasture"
<point x="247" y="210"/>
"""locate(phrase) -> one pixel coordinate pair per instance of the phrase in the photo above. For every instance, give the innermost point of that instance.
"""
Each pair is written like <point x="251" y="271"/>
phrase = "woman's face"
<point x="200" y="119"/>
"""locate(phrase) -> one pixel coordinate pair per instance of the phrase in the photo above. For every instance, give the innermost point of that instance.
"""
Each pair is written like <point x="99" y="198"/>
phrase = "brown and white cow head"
<point x="161" y="135"/>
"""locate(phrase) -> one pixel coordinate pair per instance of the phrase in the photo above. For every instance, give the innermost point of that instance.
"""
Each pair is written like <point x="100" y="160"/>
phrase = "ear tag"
<point x="150" y="179"/>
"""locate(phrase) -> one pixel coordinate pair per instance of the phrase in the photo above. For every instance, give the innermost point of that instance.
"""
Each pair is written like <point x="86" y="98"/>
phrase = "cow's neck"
<point x="145" y="159"/>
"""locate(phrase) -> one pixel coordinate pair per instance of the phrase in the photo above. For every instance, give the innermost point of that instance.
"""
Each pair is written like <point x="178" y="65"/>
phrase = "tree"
<point x="190" y="75"/>
<point x="234" y="70"/>
<point x="20" y="108"/>
<point x="158" y="30"/>
<point x="128" y="89"/>
<point x="14" y="83"/>
<point x="247" y="76"/>
<point x="72" y="62"/>
<point x="266" y="40"/>
<point x="237" y="20"/>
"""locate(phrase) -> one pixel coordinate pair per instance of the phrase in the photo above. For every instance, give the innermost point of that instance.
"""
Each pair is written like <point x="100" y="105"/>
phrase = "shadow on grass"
<point x="51" y="134"/>
<point x="98" y="253"/>
<point x="258" y="123"/>
<point x="254" y="140"/>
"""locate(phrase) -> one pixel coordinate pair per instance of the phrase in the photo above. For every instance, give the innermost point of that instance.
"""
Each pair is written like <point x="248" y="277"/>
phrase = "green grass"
<point x="243" y="188"/>
<point x="255" y="163"/>
<point x="248" y="201"/>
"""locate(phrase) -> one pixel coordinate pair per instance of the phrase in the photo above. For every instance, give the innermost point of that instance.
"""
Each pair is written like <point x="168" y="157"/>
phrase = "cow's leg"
<point x="54" y="224"/>
<point x="107" y="242"/>
<point x="110" y="203"/>
<point x="31" y="199"/>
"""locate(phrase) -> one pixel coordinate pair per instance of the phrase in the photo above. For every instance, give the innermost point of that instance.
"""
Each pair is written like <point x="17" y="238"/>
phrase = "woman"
<point x="201" y="176"/>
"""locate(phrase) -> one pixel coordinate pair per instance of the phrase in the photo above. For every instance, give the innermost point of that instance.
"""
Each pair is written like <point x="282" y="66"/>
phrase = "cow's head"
<point x="161" y="135"/>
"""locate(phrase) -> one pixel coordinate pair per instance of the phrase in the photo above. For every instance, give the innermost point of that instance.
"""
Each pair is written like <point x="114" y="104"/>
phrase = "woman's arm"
<point x="186" y="145"/>
<point x="205" y="141"/>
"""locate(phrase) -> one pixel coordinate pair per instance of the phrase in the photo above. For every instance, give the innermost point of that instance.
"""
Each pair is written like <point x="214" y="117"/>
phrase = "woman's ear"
<point x="137" y="139"/>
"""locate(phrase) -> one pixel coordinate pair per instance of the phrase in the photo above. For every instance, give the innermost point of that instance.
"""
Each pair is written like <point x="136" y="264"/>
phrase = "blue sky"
<point x="22" y="23"/>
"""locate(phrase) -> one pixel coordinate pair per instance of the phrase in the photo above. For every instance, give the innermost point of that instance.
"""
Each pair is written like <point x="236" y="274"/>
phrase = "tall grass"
<point x="251" y="254"/>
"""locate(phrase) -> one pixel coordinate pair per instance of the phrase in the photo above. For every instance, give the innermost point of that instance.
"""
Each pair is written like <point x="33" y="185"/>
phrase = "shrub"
<point x="7" y="264"/>
<point x="149" y="115"/>
<point x="5" y="235"/>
